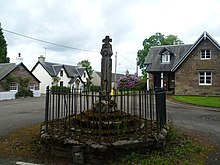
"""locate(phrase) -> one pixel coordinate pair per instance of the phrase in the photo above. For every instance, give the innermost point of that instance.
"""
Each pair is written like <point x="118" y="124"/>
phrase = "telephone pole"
<point x="115" y="69"/>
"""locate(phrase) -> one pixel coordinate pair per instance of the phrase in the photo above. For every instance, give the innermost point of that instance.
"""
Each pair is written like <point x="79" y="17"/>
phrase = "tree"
<point x="155" y="40"/>
<point x="87" y="65"/>
<point x="3" y="48"/>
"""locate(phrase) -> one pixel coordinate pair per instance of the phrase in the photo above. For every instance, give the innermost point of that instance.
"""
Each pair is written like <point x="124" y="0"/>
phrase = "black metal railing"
<point x="88" y="115"/>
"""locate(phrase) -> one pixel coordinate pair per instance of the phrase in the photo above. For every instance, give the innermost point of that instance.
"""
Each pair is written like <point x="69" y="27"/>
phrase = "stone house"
<point x="192" y="69"/>
<point x="96" y="80"/>
<point x="9" y="80"/>
<point x="55" y="74"/>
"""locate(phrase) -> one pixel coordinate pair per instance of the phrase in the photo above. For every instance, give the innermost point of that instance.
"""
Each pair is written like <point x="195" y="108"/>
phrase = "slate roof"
<point x="53" y="69"/>
<point x="73" y="80"/>
<point x="153" y="59"/>
<point x="7" y="68"/>
<point x="178" y="54"/>
<point x="72" y="71"/>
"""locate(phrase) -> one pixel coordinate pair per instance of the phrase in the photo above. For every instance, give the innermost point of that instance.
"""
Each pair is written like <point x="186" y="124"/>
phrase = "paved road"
<point x="202" y="120"/>
<point x="18" y="113"/>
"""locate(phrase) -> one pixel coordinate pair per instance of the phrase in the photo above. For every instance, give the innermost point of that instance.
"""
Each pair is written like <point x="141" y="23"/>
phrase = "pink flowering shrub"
<point x="127" y="82"/>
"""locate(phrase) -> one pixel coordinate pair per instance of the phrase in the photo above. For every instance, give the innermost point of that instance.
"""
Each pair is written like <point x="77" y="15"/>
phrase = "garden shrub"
<point x="127" y="82"/>
<point x="60" y="89"/>
<point x="95" y="88"/>
<point x="24" y="93"/>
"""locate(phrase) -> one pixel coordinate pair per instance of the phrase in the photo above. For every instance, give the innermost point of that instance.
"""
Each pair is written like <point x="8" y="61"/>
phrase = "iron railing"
<point x="88" y="115"/>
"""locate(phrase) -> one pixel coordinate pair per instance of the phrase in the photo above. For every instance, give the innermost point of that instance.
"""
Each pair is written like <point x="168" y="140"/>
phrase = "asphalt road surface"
<point x="18" y="113"/>
<point x="15" y="114"/>
<point x="202" y="120"/>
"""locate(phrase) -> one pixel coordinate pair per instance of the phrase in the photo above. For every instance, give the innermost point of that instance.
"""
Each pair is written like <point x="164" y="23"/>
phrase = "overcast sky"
<point x="82" y="24"/>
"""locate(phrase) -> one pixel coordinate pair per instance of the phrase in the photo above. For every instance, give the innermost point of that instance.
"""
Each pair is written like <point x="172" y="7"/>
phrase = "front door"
<point x="157" y="80"/>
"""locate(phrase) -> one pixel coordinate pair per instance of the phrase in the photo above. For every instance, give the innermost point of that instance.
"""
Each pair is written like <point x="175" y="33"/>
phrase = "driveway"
<point x="202" y="120"/>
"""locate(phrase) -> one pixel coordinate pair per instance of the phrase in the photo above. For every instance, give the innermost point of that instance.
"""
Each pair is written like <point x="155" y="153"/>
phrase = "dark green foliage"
<point x="87" y="65"/>
<point x="7" y="81"/>
<point x="141" y="85"/>
<point x="95" y="88"/>
<point x="60" y="89"/>
<point x="155" y="40"/>
<point x="3" y="48"/>
<point x="23" y="82"/>
<point x="24" y="93"/>
<point x="24" y="90"/>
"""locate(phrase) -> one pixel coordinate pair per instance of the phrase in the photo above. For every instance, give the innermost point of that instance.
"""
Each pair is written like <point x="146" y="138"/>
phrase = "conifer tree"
<point x="3" y="48"/>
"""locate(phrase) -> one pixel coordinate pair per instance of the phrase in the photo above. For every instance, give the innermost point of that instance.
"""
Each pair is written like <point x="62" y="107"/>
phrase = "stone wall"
<point x="22" y="72"/>
<point x="96" y="153"/>
<point x="187" y="75"/>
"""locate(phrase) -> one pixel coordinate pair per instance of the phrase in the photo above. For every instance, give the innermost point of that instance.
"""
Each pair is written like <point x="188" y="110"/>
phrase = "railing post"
<point x="164" y="113"/>
<point x="157" y="99"/>
<point x="160" y="107"/>
<point x="47" y="108"/>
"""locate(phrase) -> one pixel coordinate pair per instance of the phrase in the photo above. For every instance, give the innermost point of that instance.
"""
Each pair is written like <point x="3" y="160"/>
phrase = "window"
<point x="205" y="78"/>
<point x="32" y="87"/>
<point x="13" y="86"/>
<point x="61" y="73"/>
<point x="61" y="83"/>
<point x="205" y="54"/>
<point x="165" y="57"/>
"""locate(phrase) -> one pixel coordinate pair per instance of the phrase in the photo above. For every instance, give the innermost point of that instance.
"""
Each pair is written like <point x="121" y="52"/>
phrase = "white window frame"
<point x="205" y="54"/>
<point x="32" y="87"/>
<point x="165" y="58"/>
<point x="207" y="76"/>
<point x="14" y="86"/>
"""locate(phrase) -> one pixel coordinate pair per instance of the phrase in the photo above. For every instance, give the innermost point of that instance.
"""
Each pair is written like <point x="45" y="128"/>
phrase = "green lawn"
<point x="199" y="100"/>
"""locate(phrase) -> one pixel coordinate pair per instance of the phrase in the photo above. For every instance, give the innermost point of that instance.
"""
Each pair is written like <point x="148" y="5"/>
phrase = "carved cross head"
<point x="107" y="40"/>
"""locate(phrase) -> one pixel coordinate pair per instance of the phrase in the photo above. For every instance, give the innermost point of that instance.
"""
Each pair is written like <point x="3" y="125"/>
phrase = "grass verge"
<point x="180" y="149"/>
<point x="200" y="100"/>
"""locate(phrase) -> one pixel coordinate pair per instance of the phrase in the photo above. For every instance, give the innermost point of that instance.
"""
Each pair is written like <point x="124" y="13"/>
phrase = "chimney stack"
<point x="19" y="59"/>
<point x="127" y="73"/>
<point x="41" y="58"/>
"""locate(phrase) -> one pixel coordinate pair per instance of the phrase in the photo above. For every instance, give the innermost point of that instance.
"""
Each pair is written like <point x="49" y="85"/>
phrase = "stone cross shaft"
<point x="106" y="66"/>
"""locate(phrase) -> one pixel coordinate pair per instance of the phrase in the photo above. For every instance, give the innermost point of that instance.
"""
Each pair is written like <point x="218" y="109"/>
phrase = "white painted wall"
<point x="8" y="95"/>
<point x="64" y="78"/>
<point x="84" y="78"/>
<point x="43" y="76"/>
<point x="96" y="79"/>
<point x="46" y="79"/>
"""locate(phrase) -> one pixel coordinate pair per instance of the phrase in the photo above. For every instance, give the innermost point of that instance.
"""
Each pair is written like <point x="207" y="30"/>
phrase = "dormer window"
<point x="165" y="57"/>
<point x="205" y="54"/>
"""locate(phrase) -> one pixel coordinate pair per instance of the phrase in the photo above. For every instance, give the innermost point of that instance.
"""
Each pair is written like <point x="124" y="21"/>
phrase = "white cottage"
<point x="55" y="74"/>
